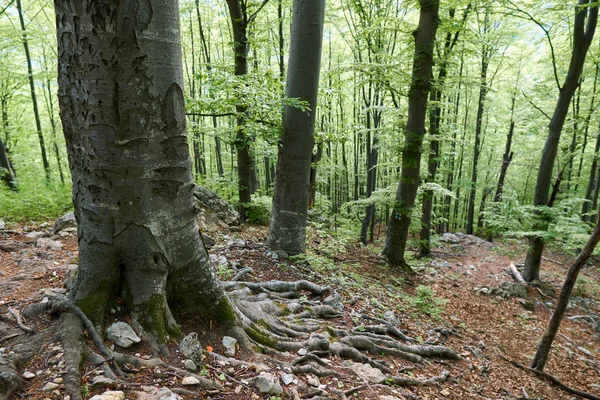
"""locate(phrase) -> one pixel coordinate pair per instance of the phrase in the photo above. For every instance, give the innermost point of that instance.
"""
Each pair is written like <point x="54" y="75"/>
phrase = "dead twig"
<point x="552" y="261"/>
<point x="8" y="337"/>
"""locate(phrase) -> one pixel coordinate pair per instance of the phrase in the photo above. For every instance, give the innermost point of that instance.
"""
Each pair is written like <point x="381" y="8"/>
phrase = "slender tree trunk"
<point x="315" y="158"/>
<point x="586" y="126"/>
<point x="582" y="38"/>
<point x="592" y="181"/>
<point x="287" y="230"/>
<point x="123" y="113"/>
<point x="483" y="88"/>
<point x="541" y="356"/>
<point x="7" y="174"/>
<point x="48" y="98"/>
<point x="36" y="113"/>
<point x="397" y="235"/>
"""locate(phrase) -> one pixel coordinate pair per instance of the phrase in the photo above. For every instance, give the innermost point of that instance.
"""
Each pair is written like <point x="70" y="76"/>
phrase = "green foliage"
<point x="426" y="302"/>
<point x="586" y="287"/>
<point x="34" y="201"/>
<point x="258" y="211"/>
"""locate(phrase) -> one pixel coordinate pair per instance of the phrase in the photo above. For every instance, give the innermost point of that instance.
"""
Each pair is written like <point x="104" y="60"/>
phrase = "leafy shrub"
<point x="426" y="302"/>
<point x="259" y="211"/>
<point x="34" y="202"/>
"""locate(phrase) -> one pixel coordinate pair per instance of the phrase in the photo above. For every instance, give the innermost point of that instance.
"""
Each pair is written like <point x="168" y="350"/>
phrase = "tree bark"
<point x="399" y="224"/>
<point x="36" y="113"/>
<point x="483" y="89"/>
<point x="541" y="356"/>
<point x="583" y="33"/>
<point x="123" y="113"/>
<point x="7" y="174"/>
<point x="591" y="182"/>
<point x="287" y="229"/>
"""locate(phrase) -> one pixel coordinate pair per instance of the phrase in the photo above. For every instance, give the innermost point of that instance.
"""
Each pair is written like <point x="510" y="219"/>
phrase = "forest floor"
<point x="487" y="327"/>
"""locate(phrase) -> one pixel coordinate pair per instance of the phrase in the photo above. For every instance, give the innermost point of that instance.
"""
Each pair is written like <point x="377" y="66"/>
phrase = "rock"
<point x="445" y="393"/>
<point x="110" y="395"/>
<point x="57" y="380"/>
<point x="268" y="383"/>
<point x="334" y="300"/>
<point x="515" y="289"/>
<point x="287" y="379"/>
<point x="440" y="264"/>
<point x="28" y="375"/>
<point x="386" y="397"/>
<point x="313" y="381"/>
<point x="190" y="365"/>
<point x="366" y="371"/>
<point x="281" y="254"/>
<point x="35" y="235"/>
<point x="49" y="244"/>
<point x="450" y="238"/>
<point x="212" y="211"/>
<point x="302" y="352"/>
<point x="236" y="243"/>
<point x="2" y="224"/>
<point x="66" y="221"/>
<point x="102" y="381"/>
<point x="190" y="347"/>
<point x="229" y="344"/>
<point x="154" y="393"/>
<point x="122" y="335"/>
<point x="50" y="386"/>
<point x="208" y="241"/>
<point x="190" y="381"/>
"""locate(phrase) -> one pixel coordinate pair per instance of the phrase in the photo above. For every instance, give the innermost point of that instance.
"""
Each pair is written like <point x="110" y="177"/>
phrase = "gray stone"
<point x="50" y="386"/>
<point x="281" y="254"/>
<point x="154" y="393"/>
<point x="313" y="381"/>
<point x="268" y="383"/>
<point x="35" y="235"/>
<point x="236" y="243"/>
<point x="28" y="375"/>
<point x="190" y="347"/>
<point x="122" y="335"/>
<point x="49" y="244"/>
<point x="190" y="381"/>
<point x="334" y="300"/>
<point x="213" y="212"/>
<point x="366" y="371"/>
<point x="450" y="238"/>
<point x="190" y="365"/>
<point x="66" y="221"/>
<point x="110" y="395"/>
<point x="103" y="381"/>
<point x="2" y="224"/>
<point x="515" y="289"/>
<point x="440" y="264"/>
<point x="287" y="379"/>
<point x="390" y="317"/>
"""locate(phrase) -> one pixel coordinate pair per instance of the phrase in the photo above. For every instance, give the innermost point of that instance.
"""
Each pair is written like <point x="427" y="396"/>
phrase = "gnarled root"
<point x="275" y="316"/>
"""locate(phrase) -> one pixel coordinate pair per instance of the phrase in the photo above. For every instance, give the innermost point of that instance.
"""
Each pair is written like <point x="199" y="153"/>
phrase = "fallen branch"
<point x="20" y="324"/>
<point x="551" y="260"/>
<point x="5" y="338"/>
<point x="556" y="381"/>
<point x="401" y="381"/>
<point x="516" y="274"/>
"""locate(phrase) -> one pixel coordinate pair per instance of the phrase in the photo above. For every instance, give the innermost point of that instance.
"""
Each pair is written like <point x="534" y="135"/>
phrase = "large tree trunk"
<point x="36" y="113"/>
<point x="397" y="235"/>
<point x="290" y="199"/>
<point x="582" y="38"/>
<point x="122" y="108"/>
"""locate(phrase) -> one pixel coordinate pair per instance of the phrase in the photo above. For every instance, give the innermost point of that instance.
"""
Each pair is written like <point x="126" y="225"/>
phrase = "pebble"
<point x="445" y="393"/>
<point x="50" y="386"/>
<point x="190" y="365"/>
<point x="57" y="380"/>
<point x="28" y="375"/>
<point x="302" y="352"/>
<point x="190" y="380"/>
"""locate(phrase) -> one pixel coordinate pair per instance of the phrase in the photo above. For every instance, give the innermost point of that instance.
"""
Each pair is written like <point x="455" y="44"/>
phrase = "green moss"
<point x="96" y="300"/>
<point x="151" y="316"/>
<point x="224" y="313"/>
<point x="261" y="337"/>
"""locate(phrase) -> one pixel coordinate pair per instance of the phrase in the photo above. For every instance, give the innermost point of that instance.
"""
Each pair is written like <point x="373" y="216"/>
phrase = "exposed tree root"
<point x="20" y="324"/>
<point x="556" y="381"/>
<point x="24" y="350"/>
<point x="275" y="316"/>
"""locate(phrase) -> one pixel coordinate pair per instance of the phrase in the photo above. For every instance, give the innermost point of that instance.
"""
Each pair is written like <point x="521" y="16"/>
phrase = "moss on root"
<point x="151" y="317"/>
<point x="257" y="334"/>
<point x="96" y="300"/>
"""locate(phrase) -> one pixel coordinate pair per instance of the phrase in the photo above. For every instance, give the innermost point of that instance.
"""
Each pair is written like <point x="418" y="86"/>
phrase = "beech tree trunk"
<point x="399" y="224"/>
<point x="122" y="108"/>
<point x="287" y="230"/>
<point x="583" y="33"/>
<point x="7" y="174"/>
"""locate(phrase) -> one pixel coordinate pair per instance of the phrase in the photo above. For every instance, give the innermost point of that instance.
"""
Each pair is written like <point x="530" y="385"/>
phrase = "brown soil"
<point x="490" y="330"/>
